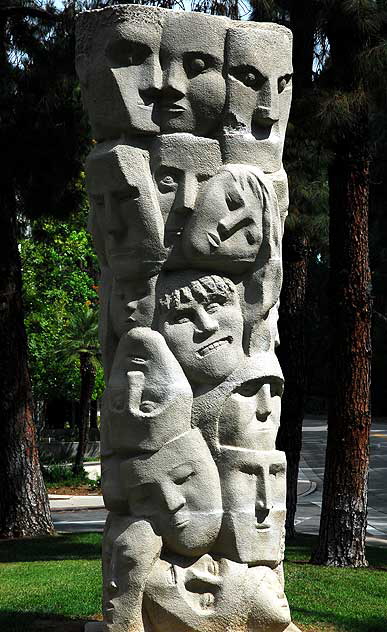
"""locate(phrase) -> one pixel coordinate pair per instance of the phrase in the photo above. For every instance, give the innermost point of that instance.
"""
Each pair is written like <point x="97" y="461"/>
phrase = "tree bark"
<point x="344" y="506"/>
<point x="292" y="359"/>
<point x="24" y="506"/>
<point x="88" y="373"/>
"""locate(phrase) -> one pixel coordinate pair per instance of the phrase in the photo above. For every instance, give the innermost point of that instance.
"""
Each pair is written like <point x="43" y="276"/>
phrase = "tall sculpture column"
<point x="188" y="198"/>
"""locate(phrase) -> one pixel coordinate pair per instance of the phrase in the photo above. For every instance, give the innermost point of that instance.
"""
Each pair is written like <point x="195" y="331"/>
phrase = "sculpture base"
<point x="93" y="626"/>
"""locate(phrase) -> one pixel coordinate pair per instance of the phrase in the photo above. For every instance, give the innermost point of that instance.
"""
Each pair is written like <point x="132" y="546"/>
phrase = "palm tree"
<point x="81" y="345"/>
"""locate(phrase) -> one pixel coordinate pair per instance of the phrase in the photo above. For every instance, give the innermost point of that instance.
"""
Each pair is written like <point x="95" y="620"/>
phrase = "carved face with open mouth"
<point x="225" y="231"/>
<point x="203" y="327"/>
<point x="203" y="594"/>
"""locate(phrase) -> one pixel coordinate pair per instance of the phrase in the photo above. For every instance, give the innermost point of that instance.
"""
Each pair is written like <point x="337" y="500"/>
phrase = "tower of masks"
<point x="188" y="198"/>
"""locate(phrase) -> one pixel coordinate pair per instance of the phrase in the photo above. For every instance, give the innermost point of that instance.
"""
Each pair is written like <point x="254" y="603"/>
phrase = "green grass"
<point x="351" y="600"/>
<point x="57" y="582"/>
<point x="47" y="578"/>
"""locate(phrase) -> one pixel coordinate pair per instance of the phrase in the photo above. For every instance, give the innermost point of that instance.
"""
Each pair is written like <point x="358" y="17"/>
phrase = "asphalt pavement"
<point x="87" y="513"/>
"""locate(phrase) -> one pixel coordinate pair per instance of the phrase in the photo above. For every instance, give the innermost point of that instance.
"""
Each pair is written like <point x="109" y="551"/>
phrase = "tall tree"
<point x="41" y="121"/>
<point x="354" y="29"/>
<point x="24" y="508"/>
<point x="302" y="163"/>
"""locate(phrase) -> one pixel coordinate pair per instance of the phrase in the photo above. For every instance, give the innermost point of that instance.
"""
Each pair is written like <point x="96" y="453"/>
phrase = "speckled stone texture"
<point x="188" y="198"/>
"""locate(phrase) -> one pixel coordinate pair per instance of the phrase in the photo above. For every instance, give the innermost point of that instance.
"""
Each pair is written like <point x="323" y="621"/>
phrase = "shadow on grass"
<point x="36" y="622"/>
<point x="340" y="622"/>
<point x="300" y="549"/>
<point x="72" y="546"/>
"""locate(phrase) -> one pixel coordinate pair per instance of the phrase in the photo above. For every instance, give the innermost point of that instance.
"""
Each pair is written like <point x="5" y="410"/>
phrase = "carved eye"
<point x="179" y="319"/>
<point x="283" y="82"/>
<point x="148" y="406"/>
<point x="248" y="389"/>
<point x="212" y="307"/>
<point x="167" y="181"/>
<point x="182" y="479"/>
<point x="249" y="76"/>
<point x="123" y="53"/>
<point x="196" y="64"/>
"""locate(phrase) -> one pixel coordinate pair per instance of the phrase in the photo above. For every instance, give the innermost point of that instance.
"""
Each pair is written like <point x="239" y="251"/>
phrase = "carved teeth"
<point x="214" y="345"/>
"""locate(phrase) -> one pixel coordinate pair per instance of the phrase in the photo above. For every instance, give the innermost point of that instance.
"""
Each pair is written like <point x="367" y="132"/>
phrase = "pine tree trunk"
<point x="88" y="373"/>
<point x="24" y="506"/>
<point x="292" y="359"/>
<point x="344" y="507"/>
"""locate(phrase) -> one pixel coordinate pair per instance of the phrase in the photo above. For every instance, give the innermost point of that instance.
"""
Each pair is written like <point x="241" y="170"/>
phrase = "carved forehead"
<point x="194" y="32"/>
<point x="189" y="448"/>
<point x="97" y="27"/>
<point x="111" y="167"/>
<point x="268" y="50"/>
<point x="187" y="153"/>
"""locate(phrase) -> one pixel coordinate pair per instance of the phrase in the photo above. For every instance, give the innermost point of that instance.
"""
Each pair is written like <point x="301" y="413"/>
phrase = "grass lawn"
<point x="54" y="584"/>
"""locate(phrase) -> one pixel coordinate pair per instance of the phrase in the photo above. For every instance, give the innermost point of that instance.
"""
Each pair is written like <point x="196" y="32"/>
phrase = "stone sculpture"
<point x="188" y="198"/>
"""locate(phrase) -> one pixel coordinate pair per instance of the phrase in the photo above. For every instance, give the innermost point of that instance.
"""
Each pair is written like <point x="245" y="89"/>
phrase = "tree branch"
<point x="28" y="12"/>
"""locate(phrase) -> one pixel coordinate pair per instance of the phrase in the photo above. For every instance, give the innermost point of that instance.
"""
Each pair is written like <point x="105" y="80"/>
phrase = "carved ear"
<point x="82" y="68"/>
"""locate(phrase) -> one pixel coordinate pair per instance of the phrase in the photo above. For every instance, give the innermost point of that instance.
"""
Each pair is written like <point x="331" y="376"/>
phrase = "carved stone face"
<point x="121" y="74"/>
<point x="259" y="72"/>
<point x="204" y="330"/>
<point x="193" y="91"/>
<point x="178" y="490"/>
<point x="202" y="595"/>
<point x="254" y="499"/>
<point x="132" y="304"/>
<point x="148" y="399"/>
<point x="225" y="231"/>
<point x="250" y="416"/>
<point x="130" y="549"/>
<point x="125" y="205"/>
<point x="180" y="165"/>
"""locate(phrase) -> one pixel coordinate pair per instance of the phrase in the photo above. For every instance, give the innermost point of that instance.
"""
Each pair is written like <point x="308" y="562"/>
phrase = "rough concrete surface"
<point x="188" y="200"/>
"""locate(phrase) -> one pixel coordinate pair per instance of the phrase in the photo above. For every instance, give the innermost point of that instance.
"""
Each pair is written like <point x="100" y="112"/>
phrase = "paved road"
<point x="312" y="468"/>
<point x="309" y="501"/>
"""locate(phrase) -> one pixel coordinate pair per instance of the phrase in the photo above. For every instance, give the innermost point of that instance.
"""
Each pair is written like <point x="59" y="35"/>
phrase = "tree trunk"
<point x="292" y="359"/>
<point x="344" y="506"/>
<point x="24" y="506"/>
<point x="88" y="373"/>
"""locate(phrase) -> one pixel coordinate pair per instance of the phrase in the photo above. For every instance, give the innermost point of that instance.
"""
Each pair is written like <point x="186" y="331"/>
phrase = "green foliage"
<point x="95" y="484"/>
<point x="62" y="475"/>
<point x="80" y="335"/>
<point x="59" y="278"/>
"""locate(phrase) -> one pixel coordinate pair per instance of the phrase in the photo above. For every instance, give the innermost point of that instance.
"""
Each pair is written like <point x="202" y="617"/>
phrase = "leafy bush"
<point x="62" y="475"/>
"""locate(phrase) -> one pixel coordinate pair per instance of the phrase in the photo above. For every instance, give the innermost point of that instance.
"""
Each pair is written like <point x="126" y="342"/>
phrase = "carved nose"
<point x="263" y="409"/>
<point x="175" y="79"/>
<point x="186" y="194"/>
<point x="267" y="112"/>
<point x="263" y="502"/>
<point x="174" y="500"/>
<point x="206" y="323"/>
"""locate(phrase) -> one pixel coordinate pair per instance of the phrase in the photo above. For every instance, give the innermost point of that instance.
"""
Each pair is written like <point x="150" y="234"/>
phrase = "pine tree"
<point x="43" y="139"/>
